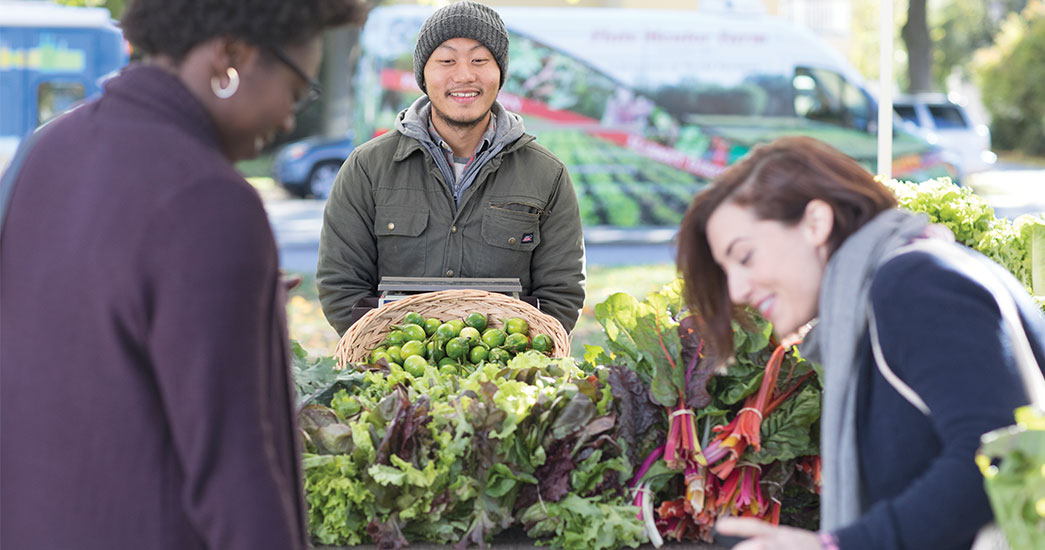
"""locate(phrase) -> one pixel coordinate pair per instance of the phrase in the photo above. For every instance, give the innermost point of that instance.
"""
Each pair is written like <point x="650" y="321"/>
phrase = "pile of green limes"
<point x="456" y="346"/>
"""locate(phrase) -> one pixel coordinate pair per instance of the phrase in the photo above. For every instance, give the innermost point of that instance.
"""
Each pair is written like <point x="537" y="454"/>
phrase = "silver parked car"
<point x="946" y="123"/>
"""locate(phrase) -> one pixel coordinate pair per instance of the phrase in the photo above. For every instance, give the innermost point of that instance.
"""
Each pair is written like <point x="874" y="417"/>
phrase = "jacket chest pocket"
<point x="401" y="245"/>
<point x="510" y="237"/>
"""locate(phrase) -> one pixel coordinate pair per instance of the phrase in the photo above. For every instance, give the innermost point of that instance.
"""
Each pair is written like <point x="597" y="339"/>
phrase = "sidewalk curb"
<point x="609" y="235"/>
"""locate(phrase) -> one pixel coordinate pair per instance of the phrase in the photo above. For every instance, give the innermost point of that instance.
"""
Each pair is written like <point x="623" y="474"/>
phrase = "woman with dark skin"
<point x="250" y="64"/>
<point x="145" y="394"/>
<point x="801" y="232"/>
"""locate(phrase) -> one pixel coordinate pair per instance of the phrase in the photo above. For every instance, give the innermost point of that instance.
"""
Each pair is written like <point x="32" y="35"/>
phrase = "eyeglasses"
<point x="314" y="89"/>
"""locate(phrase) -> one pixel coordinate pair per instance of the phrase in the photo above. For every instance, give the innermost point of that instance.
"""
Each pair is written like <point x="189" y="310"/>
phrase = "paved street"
<point x="1012" y="190"/>
<point x="297" y="223"/>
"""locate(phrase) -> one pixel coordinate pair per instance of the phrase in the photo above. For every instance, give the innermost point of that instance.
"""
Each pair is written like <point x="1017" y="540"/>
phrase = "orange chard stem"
<point x="770" y="378"/>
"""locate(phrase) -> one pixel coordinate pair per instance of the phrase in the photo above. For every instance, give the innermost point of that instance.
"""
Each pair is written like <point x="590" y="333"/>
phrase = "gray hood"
<point x="413" y="122"/>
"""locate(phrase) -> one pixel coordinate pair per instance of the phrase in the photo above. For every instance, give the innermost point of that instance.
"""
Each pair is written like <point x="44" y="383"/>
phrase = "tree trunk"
<point x="915" y="35"/>
<point x="340" y="47"/>
<point x="341" y="51"/>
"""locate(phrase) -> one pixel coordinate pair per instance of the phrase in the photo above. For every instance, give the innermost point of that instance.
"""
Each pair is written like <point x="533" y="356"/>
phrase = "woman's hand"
<point x="290" y="282"/>
<point x="764" y="536"/>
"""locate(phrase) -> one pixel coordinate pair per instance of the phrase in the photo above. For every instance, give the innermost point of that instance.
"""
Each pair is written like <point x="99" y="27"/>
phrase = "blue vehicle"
<point x="308" y="167"/>
<point x="52" y="58"/>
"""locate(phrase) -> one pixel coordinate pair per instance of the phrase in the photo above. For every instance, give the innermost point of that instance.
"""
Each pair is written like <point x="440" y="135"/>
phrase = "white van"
<point x="645" y="106"/>
<point x="947" y="124"/>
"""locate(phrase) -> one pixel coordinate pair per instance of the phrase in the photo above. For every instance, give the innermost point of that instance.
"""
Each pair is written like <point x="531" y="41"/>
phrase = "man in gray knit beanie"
<point x="461" y="20"/>
<point x="457" y="189"/>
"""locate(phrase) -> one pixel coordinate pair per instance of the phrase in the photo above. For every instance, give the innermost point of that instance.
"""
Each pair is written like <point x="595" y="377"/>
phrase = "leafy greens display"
<point x="393" y="457"/>
<point x="758" y="412"/>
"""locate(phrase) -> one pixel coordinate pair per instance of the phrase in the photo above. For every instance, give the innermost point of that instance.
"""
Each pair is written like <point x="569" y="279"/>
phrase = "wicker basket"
<point x="373" y="326"/>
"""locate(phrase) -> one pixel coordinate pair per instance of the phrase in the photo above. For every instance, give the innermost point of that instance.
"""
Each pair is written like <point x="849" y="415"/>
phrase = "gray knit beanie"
<point x="461" y="20"/>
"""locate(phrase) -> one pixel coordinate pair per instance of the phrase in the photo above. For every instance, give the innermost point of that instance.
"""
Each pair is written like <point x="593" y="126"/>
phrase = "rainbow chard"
<point x="682" y="446"/>
<point x="745" y="429"/>
<point x="756" y="412"/>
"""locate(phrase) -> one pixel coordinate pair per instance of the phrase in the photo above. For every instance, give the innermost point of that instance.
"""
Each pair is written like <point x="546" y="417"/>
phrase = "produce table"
<point x="450" y="451"/>
<point x="515" y="539"/>
<point x="525" y="544"/>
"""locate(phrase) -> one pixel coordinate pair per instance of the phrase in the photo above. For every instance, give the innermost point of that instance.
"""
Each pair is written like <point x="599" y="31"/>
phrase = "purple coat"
<point x="145" y="396"/>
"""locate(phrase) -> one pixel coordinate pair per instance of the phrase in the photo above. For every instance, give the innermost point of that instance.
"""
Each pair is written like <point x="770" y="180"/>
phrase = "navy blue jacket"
<point x="941" y="334"/>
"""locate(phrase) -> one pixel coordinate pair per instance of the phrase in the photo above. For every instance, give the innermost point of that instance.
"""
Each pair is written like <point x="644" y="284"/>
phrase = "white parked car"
<point x="947" y="124"/>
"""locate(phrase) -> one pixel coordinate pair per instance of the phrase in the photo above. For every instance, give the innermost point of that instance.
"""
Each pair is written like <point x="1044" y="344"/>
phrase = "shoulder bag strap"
<point x="899" y="385"/>
<point x="1030" y="372"/>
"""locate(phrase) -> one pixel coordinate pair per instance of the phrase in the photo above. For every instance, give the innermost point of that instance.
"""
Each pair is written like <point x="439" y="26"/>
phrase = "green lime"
<point x="476" y="321"/>
<point x="415" y="365"/>
<point x="543" y="343"/>
<point x="412" y="348"/>
<point x="477" y="354"/>
<point x="435" y="353"/>
<point x="414" y="332"/>
<point x="395" y="353"/>
<point x="457" y="348"/>
<point x="378" y="349"/>
<point x="493" y="337"/>
<point x="431" y="324"/>
<point x="395" y="338"/>
<point x="414" y="318"/>
<point x="470" y="333"/>
<point x="515" y="325"/>
<point x="498" y="355"/>
<point x="517" y="342"/>
<point x="445" y="332"/>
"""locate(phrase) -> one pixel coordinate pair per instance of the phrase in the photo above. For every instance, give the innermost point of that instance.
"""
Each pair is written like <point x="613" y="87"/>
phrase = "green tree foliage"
<point x="957" y="28"/>
<point x="115" y="6"/>
<point x="960" y="27"/>
<point x="1011" y="75"/>
<point x="866" y="39"/>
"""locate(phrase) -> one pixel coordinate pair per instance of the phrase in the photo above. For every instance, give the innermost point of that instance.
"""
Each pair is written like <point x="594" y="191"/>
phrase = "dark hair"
<point x="776" y="181"/>
<point x="173" y="27"/>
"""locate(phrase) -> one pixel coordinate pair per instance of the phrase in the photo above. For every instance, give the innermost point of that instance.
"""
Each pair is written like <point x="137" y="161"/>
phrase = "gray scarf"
<point x="835" y="341"/>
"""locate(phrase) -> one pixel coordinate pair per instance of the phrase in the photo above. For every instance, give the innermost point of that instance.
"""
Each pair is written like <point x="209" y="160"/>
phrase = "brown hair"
<point x="776" y="181"/>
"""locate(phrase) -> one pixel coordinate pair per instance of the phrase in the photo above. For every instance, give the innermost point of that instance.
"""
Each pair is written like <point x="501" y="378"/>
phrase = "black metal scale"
<point x="396" y="288"/>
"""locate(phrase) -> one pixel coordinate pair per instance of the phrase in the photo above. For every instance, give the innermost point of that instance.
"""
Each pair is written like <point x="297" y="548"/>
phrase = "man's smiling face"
<point x="462" y="79"/>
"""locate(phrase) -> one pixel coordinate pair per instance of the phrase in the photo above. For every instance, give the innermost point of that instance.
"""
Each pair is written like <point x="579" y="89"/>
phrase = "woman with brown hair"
<point x="801" y="232"/>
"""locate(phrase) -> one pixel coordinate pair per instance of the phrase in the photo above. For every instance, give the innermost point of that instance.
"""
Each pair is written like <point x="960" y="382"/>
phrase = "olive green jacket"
<point x="390" y="213"/>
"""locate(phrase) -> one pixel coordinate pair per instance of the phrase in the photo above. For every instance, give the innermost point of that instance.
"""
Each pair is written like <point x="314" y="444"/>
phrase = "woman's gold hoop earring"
<point x="227" y="91"/>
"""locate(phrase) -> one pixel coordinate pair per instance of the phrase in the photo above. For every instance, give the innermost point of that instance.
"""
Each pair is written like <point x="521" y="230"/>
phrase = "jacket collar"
<point x="163" y="95"/>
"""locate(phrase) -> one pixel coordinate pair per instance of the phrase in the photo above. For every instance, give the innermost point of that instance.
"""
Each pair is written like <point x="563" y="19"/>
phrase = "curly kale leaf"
<point x="579" y="523"/>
